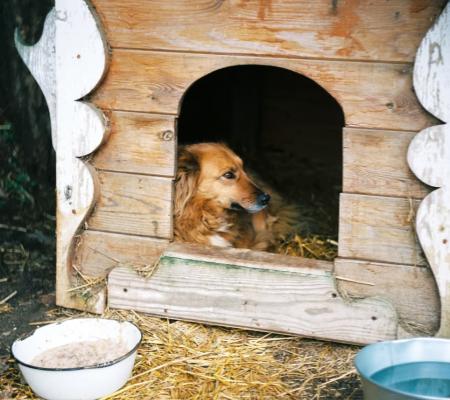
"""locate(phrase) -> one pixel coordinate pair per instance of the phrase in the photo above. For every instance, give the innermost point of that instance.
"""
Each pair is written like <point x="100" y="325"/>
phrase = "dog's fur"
<point x="217" y="203"/>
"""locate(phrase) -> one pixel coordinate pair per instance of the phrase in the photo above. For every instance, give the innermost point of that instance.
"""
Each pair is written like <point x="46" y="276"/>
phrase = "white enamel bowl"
<point x="82" y="383"/>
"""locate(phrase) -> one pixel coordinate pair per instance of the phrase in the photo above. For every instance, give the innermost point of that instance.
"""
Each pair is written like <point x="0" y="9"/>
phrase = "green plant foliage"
<point x="16" y="184"/>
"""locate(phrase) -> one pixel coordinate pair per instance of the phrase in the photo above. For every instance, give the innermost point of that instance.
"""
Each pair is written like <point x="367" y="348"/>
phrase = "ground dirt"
<point x="27" y="276"/>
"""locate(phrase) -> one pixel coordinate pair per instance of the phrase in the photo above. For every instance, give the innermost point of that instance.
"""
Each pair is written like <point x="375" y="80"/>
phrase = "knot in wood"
<point x="68" y="192"/>
<point x="167" y="135"/>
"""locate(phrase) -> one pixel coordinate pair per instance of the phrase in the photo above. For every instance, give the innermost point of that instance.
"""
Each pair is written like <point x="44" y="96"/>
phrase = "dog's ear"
<point x="187" y="161"/>
<point x="186" y="179"/>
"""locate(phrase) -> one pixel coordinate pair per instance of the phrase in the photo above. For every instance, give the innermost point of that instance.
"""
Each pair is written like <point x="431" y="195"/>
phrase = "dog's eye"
<point x="229" y="175"/>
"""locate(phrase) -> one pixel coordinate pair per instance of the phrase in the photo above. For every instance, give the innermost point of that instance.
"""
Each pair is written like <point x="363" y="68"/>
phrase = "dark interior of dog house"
<point x="287" y="129"/>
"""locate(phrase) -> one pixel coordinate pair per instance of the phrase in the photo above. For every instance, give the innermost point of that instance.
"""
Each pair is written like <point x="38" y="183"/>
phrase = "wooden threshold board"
<point x="261" y="292"/>
<point x="411" y="290"/>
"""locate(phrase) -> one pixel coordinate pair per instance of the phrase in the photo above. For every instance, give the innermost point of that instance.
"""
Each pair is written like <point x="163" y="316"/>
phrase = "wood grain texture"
<point x="378" y="229"/>
<point x="247" y="258"/>
<point x="268" y="300"/>
<point x="140" y="143"/>
<point x="375" y="163"/>
<point x="411" y="290"/>
<point x="133" y="204"/>
<point x="97" y="253"/>
<point x="373" y="95"/>
<point x="369" y="30"/>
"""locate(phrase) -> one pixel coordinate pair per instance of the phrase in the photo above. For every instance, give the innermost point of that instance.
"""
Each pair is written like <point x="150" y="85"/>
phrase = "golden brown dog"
<point x="217" y="203"/>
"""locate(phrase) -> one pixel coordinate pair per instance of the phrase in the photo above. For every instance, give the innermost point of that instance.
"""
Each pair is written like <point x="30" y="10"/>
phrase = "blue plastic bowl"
<point x="405" y="369"/>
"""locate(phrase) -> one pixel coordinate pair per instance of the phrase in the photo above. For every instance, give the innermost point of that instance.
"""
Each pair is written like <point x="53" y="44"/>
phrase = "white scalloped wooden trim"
<point x="68" y="62"/>
<point x="40" y="60"/>
<point x="429" y="157"/>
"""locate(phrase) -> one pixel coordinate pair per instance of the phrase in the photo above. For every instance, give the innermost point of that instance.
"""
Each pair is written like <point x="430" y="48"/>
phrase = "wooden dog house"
<point x="116" y="161"/>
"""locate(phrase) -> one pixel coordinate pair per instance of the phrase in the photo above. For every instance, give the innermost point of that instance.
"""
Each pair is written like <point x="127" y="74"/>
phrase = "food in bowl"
<point x="81" y="354"/>
<point x="78" y="359"/>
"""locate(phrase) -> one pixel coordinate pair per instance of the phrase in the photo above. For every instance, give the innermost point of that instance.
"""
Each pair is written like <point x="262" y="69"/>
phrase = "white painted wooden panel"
<point x="429" y="157"/>
<point x="80" y="65"/>
<point x="431" y="68"/>
<point x="40" y="59"/>
<point x="68" y="62"/>
<point x="429" y="152"/>
<point x="80" y="49"/>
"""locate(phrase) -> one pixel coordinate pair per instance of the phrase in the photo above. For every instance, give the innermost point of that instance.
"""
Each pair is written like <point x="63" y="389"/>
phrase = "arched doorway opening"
<point x="285" y="127"/>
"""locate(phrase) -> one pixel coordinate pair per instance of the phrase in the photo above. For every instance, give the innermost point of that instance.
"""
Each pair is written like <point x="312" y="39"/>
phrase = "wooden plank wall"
<point x="140" y="143"/>
<point x="99" y="252"/>
<point x="133" y="204"/>
<point x="360" y="52"/>
<point x="375" y="163"/>
<point x="373" y="95"/>
<point x="379" y="229"/>
<point x="131" y="223"/>
<point x="354" y="30"/>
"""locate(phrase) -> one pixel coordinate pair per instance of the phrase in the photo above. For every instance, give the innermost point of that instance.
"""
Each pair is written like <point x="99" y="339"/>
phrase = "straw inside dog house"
<point x="114" y="117"/>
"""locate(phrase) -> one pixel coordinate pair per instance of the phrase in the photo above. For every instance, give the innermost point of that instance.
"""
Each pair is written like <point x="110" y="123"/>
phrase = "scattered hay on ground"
<point x="5" y="308"/>
<point x="181" y="360"/>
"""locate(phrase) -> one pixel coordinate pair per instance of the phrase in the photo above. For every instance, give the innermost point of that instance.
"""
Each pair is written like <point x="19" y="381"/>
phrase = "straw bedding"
<point x="181" y="360"/>
<point x="313" y="186"/>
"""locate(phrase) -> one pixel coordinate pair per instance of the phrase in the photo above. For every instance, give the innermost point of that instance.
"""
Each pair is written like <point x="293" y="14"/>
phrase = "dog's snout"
<point x="263" y="198"/>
